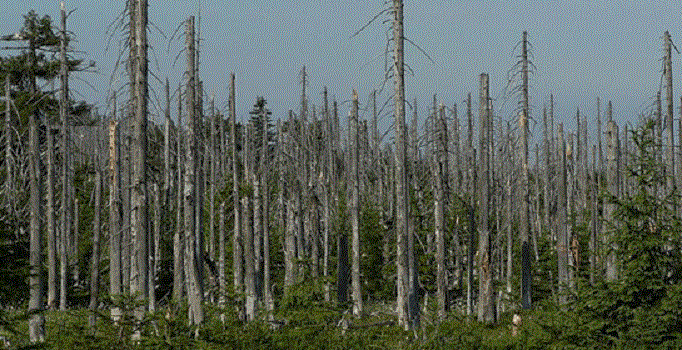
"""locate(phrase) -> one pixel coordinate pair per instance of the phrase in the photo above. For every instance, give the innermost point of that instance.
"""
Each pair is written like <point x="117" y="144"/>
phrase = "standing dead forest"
<point x="312" y="228"/>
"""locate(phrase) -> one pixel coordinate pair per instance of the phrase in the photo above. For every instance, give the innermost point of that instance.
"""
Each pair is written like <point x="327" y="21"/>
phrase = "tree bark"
<point x="613" y="184"/>
<point x="525" y="187"/>
<point x="237" y="252"/>
<point x="486" y="311"/>
<point x="179" y="240"/>
<point x="441" y="150"/>
<point x="138" y="200"/>
<point x="355" y="207"/>
<point x="670" y="142"/>
<point x="51" y="224"/>
<point x="36" y="324"/>
<point x="96" y="229"/>
<point x="562" y="236"/>
<point x="191" y="192"/>
<point x="402" y="209"/>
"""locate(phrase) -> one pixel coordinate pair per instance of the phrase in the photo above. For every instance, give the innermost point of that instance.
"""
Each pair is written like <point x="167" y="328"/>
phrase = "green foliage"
<point x="641" y="308"/>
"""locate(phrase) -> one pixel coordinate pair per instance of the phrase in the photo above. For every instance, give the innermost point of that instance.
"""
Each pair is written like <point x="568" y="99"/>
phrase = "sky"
<point x="581" y="49"/>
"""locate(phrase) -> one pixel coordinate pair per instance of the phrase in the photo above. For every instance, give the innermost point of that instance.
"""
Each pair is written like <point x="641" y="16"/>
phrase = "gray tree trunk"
<point x="114" y="215"/>
<point x="402" y="209"/>
<point x="355" y="207"/>
<point x="237" y="252"/>
<point x="64" y="116"/>
<point x="222" y="282"/>
<point x="613" y="151"/>
<point x="179" y="240"/>
<point x="670" y="143"/>
<point x="249" y="237"/>
<point x="441" y="176"/>
<point x="191" y="192"/>
<point x="9" y="157"/>
<point x="138" y="200"/>
<point x="36" y="324"/>
<point x="212" y="192"/>
<point x="562" y="236"/>
<point x="51" y="224"/>
<point x="525" y="187"/>
<point x="96" y="233"/>
<point x="486" y="307"/>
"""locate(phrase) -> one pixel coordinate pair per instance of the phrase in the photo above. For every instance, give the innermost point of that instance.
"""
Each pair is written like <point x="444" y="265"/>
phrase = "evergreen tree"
<point x="641" y="308"/>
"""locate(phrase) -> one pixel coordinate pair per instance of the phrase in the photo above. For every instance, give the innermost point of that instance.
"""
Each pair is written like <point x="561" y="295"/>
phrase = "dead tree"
<point x="195" y="297"/>
<point x="613" y="155"/>
<point x="670" y="142"/>
<point x="237" y="252"/>
<point x="525" y="186"/>
<point x="36" y="323"/>
<point x="562" y="236"/>
<point x="441" y="176"/>
<point x="96" y="233"/>
<point x="355" y="207"/>
<point x="486" y="307"/>
<point x="402" y="209"/>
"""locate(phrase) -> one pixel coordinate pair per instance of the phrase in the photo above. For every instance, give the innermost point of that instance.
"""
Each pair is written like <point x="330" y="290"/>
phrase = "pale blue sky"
<point x="582" y="49"/>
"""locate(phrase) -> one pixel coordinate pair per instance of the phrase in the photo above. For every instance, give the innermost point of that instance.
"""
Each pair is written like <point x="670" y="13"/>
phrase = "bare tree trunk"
<point x="36" y="324"/>
<point x="138" y="200"/>
<point x="167" y="197"/>
<point x="222" y="285"/>
<point x="594" y="233"/>
<point x="327" y="122"/>
<point x="96" y="232"/>
<point x="441" y="176"/>
<point x="525" y="190"/>
<point x="265" y="161"/>
<point x="355" y="206"/>
<point x="64" y="115"/>
<point x="249" y="237"/>
<point x="191" y="192"/>
<point x="114" y="215"/>
<point x="413" y="168"/>
<point x="471" y="185"/>
<point x="237" y="252"/>
<point x="613" y="183"/>
<point x="75" y="242"/>
<point x="212" y="192"/>
<point x="670" y="143"/>
<point x="179" y="233"/>
<point x="486" y="312"/>
<point x="562" y="236"/>
<point x="402" y="209"/>
<point x="9" y="157"/>
<point x="153" y="247"/>
<point x="51" y="224"/>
